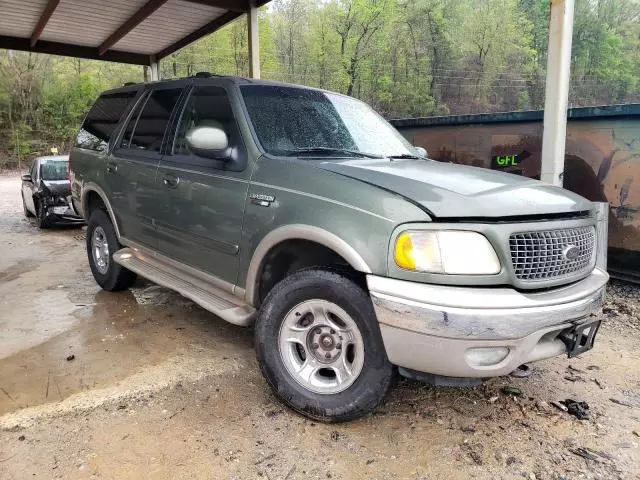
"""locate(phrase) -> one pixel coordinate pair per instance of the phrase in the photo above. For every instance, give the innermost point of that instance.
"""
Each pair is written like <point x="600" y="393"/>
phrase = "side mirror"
<point x="421" y="152"/>
<point x="27" y="177"/>
<point x="208" y="141"/>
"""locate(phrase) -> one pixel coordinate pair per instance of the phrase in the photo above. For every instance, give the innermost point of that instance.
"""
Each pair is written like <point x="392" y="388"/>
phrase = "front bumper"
<point x="433" y="328"/>
<point x="63" y="212"/>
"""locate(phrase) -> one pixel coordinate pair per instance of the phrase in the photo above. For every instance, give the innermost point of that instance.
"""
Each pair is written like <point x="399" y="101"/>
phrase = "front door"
<point x="204" y="198"/>
<point x="29" y="187"/>
<point x="131" y="168"/>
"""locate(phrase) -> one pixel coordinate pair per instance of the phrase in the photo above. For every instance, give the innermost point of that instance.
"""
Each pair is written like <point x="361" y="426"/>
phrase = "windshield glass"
<point x="289" y="120"/>
<point x="54" y="170"/>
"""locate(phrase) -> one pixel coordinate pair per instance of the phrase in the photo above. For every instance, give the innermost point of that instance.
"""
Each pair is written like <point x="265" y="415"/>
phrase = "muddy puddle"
<point x="60" y="334"/>
<point x="99" y="338"/>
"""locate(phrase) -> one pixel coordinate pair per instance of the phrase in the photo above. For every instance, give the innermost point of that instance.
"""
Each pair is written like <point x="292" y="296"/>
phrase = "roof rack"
<point x="207" y="75"/>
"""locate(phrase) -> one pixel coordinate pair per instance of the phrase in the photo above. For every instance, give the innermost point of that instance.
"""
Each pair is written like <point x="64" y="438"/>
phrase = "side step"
<point x="211" y="298"/>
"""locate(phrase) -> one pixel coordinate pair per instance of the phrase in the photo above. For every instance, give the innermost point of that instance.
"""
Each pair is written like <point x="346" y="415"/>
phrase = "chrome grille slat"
<point x="539" y="255"/>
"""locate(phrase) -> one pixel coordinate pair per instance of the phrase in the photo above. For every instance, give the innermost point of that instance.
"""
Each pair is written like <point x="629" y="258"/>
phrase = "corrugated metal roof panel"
<point x="171" y="22"/>
<point x="79" y="27"/>
<point x="88" y="22"/>
<point x="18" y="18"/>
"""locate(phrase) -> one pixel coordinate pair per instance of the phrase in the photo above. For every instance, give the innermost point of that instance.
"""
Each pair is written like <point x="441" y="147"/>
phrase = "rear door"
<point x="96" y="138"/>
<point x="204" y="199"/>
<point x="131" y="168"/>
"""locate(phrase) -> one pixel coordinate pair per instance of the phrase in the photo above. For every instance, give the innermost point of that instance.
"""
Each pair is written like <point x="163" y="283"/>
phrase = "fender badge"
<point x="262" y="200"/>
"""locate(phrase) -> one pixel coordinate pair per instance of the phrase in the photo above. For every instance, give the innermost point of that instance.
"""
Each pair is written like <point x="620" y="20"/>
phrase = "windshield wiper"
<point x="346" y="151"/>
<point x="404" y="155"/>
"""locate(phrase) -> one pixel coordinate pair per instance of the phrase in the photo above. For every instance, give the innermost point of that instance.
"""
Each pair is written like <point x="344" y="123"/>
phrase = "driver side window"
<point x="34" y="170"/>
<point x="206" y="106"/>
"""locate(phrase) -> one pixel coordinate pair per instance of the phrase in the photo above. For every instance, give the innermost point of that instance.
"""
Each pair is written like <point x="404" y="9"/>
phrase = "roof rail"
<point x="128" y="84"/>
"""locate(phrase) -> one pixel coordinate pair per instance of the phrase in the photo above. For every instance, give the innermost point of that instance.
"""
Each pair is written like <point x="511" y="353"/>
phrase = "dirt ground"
<point x="145" y="384"/>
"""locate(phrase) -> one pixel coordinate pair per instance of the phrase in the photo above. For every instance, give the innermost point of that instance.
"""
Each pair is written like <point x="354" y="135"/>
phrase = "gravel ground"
<point x="622" y="308"/>
<point x="146" y="384"/>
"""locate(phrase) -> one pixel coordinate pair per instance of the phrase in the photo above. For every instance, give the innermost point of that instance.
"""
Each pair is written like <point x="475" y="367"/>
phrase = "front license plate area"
<point x="580" y="339"/>
<point x="60" y="210"/>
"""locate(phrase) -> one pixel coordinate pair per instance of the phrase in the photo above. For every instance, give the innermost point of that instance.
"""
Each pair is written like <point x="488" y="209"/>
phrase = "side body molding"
<point x="92" y="187"/>
<point x="298" y="232"/>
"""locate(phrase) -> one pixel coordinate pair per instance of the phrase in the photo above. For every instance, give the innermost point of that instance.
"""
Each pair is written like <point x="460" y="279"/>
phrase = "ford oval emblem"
<point x="571" y="252"/>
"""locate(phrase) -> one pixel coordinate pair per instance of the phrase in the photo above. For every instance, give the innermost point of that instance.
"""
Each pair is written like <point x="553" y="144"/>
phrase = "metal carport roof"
<point x="129" y="31"/>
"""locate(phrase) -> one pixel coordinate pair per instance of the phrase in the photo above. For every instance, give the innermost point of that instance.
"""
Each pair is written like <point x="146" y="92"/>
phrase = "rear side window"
<point x="102" y="120"/>
<point x="148" y="128"/>
<point x="131" y="124"/>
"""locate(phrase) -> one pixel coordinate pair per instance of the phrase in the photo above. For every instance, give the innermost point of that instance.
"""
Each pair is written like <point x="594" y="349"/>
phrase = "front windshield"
<point x="54" y="170"/>
<point x="290" y="120"/>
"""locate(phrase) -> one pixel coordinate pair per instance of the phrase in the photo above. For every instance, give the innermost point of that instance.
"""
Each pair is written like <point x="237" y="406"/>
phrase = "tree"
<point x="356" y="22"/>
<point x="404" y="57"/>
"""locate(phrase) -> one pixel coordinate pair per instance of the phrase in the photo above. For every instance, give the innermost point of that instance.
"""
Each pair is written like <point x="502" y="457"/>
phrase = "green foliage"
<point x="43" y="100"/>
<point x="404" y="57"/>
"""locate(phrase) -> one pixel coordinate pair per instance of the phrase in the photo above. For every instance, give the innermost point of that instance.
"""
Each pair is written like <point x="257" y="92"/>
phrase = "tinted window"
<point x="133" y="120"/>
<point x="207" y="106"/>
<point x="153" y="120"/>
<point x="102" y="120"/>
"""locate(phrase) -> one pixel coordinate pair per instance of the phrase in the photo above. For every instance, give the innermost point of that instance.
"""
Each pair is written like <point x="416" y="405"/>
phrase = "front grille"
<point x="541" y="255"/>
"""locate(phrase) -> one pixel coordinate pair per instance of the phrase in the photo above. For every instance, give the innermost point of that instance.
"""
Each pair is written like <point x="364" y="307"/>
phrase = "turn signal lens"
<point x="418" y="251"/>
<point x="404" y="252"/>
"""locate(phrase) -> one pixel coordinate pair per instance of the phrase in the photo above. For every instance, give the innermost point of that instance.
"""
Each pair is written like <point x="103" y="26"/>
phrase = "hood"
<point x="449" y="190"/>
<point x="58" y="188"/>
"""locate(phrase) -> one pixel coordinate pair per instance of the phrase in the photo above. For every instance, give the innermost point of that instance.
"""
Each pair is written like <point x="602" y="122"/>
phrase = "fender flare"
<point x="92" y="187"/>
<point x="298" y="232"/>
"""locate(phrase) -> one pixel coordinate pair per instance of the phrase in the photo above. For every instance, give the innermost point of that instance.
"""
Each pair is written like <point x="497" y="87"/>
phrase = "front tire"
<point x="102" y="243"/>
<point x="41" y="217"/>
<point x="319" y="346"/>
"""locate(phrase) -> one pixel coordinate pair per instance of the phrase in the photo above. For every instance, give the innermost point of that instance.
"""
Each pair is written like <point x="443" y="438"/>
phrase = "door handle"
<point x="112" y="167"/>
<point x="170" y="181"/>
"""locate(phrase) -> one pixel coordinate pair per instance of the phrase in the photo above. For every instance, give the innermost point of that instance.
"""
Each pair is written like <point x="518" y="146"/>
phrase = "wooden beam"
<point x="143" y="13"/>
<point x="231" y="5"/>
<point x="69" y="50"/>
<point x="210" y="27"/>
<point x="44" y="18"/>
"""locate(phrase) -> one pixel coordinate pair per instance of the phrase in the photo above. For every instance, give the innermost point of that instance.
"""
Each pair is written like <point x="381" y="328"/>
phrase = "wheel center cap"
<point x="326" y="342"/>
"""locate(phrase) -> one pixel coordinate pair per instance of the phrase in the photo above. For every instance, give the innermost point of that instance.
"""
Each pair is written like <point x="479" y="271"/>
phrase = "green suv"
<point x="305" y="214"/>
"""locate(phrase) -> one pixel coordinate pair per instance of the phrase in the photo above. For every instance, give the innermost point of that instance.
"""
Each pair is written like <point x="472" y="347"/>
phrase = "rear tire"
<point x="320" y="349"/>
<point x="102" y="243"/>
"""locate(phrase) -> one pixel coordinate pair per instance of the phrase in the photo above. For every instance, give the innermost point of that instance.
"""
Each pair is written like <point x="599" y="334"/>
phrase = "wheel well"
<point x="94" y="201"/>
<point x="291" y="256"/>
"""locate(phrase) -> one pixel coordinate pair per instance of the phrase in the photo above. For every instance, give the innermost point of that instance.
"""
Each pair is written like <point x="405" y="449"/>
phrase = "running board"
<point x="217" y="301"/>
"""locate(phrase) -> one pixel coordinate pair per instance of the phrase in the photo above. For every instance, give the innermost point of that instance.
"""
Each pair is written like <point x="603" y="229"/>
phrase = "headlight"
<point x="449" y="251"/>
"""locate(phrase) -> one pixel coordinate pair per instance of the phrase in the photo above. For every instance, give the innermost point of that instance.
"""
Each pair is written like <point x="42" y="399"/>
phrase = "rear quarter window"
<point x="102" y="120"/>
